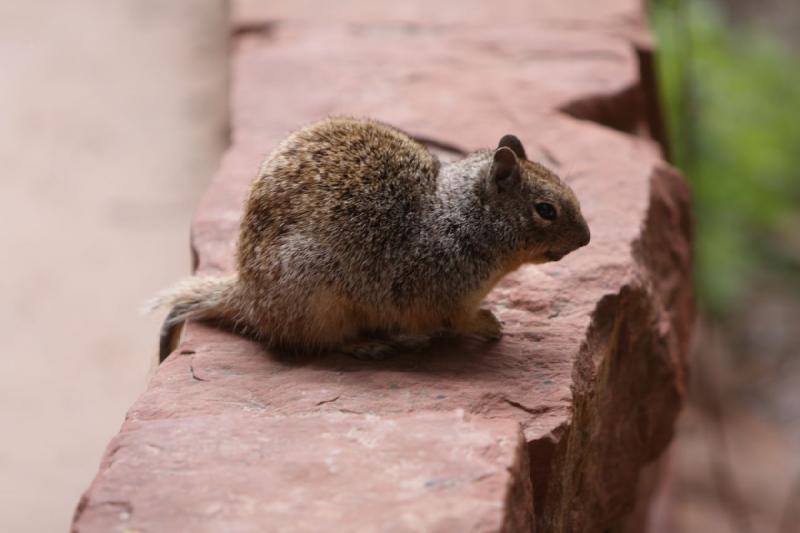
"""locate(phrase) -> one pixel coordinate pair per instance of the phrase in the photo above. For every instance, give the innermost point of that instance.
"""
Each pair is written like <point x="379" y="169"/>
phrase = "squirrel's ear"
<point x="505" y="169"/>
<point x="511" y="141"/>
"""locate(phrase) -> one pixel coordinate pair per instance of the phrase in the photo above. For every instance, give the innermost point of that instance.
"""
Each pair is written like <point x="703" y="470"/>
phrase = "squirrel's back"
<point x="351" y="194"/>
<point x="340" y="172"/>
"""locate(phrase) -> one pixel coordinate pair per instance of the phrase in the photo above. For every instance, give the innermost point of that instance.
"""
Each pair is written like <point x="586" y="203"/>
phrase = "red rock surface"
<point x="244" y="471"/>
<point x="592" y="363"/>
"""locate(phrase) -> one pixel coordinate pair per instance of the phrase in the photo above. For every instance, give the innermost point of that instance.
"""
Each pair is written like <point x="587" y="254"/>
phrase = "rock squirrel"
<point x="356" y="238"/>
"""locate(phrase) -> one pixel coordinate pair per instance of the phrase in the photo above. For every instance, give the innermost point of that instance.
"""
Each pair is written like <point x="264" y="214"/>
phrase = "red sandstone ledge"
<point x="552" y="427"/>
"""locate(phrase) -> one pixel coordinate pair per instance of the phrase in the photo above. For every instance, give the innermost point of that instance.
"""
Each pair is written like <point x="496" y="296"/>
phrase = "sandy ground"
<point x="112" y="119"/>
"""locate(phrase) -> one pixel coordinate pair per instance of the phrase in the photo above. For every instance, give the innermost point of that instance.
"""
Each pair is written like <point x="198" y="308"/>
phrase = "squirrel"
<point x="356" y="238"/>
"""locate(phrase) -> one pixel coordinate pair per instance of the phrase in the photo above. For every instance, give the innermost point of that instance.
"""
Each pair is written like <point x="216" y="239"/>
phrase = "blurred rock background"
<point x="730" y="77"/>
<point x="112" y="119"/>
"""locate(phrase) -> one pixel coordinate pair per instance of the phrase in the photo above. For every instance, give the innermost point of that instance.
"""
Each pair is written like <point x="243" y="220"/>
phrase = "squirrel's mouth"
<point x="547" y="256"/>
<point x="553" y="255"/>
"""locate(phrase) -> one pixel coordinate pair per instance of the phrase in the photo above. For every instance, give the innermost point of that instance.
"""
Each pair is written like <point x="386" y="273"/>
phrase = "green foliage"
<point x="732" y="99"/>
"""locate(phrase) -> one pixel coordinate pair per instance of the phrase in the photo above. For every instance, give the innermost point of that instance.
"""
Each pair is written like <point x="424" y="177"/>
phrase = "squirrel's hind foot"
<point x="368" y="350"/>
<point x="379" y="349"/>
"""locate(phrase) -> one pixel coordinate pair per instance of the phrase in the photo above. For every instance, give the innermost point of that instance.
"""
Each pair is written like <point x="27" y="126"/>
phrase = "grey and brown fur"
<point x="356" y="238"/>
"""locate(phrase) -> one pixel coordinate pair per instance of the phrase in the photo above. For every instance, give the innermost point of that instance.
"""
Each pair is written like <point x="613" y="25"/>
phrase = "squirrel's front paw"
<point x="487" y="325"/>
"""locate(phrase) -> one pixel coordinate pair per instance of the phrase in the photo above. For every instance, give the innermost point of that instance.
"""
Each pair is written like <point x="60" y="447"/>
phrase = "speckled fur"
<point x="353" y="230"/>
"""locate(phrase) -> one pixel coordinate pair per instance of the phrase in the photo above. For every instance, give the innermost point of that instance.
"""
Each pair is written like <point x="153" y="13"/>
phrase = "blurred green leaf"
<point x="732" y="99"/>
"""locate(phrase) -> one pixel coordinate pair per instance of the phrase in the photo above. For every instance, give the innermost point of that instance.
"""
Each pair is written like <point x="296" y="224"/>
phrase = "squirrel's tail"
<point x="199" y="298"/>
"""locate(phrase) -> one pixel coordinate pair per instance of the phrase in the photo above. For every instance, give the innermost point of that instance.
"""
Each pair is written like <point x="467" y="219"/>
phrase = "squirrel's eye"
<point x="546" y="211"/>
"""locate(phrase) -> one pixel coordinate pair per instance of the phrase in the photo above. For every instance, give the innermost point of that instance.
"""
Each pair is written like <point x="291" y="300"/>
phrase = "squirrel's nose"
<point x="585" y="235"/>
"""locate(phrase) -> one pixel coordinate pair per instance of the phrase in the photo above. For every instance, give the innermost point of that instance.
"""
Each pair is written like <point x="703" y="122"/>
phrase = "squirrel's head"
<point x="542" y="209"/>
